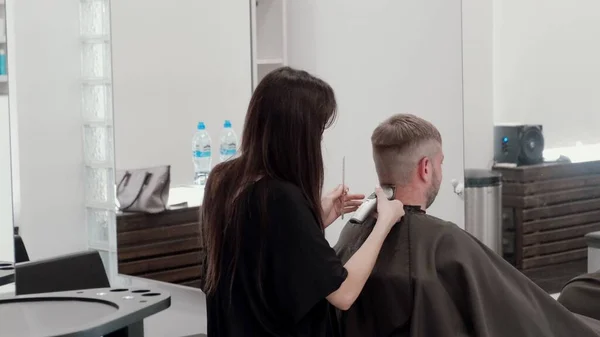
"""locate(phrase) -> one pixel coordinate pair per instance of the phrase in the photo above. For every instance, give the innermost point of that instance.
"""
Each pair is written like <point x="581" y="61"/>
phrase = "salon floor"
<point x="187" y="314"/>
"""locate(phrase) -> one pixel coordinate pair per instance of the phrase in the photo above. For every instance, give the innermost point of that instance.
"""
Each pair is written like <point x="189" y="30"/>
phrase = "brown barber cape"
<point x="432" y="279"/>
<point x="582" y="295"/>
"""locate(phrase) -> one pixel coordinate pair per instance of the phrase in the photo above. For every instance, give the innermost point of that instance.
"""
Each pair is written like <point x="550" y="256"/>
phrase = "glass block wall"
<point x="98" y="139"/>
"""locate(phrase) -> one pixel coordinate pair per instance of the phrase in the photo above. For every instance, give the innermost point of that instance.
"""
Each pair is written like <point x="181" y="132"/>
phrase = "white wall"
<point x="175" y="64"/>
<point x="49" y="132"/>
<point x="382" y="58"/>
<point x="547" y="67"/>
<point x="478" y="82"/>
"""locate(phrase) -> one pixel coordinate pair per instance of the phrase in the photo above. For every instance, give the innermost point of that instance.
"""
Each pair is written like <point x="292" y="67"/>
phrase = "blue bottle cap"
<point x="227" y="123"/>
<point x="201" y="126"/>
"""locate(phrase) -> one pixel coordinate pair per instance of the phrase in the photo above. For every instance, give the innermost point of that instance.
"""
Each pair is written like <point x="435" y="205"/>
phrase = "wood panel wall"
<point x="164" y="247"/>
<point x="547" y="210"/>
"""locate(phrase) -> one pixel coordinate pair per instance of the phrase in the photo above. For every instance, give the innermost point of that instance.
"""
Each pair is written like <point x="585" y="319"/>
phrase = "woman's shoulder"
<point x="279" y="189"/>
<point x="283" y="200"/>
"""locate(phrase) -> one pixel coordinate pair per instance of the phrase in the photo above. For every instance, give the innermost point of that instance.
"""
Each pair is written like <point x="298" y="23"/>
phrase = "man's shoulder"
<point x="352" y="237"/>
<point x="441" y="237"/>
<point x="418" y="222"/>
<point x="424" y="229"/>
<point x="429" y="224"/>
<point x="430" y="220"/>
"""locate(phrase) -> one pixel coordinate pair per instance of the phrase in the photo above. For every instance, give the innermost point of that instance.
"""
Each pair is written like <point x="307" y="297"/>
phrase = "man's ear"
<point x="424" y="169"/>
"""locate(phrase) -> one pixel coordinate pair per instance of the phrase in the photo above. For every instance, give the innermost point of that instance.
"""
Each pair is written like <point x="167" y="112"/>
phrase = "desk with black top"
<point x="185" y="317"/>
<point x="7" y="273"/>
<point x="108" y="312"/>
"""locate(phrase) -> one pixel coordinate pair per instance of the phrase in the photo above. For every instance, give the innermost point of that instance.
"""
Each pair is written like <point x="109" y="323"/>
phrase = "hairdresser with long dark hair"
<point x="270" y="271"/>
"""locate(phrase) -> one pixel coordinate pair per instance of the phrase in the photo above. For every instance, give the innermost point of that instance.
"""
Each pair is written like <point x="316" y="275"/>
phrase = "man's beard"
<point x="433" y="190"/>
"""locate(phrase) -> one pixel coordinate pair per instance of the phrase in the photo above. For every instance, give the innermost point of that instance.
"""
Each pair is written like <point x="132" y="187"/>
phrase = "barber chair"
<point x="79" y="271"/>
<point x="20" y="250"/>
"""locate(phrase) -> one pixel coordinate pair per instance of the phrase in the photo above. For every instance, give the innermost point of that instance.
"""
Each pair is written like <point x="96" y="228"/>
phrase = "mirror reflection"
<point x="6" y="189"/>
<point x="179" y="106"/>
<point x="61" y="190"/>
<point x="53" y="142"/>
<point x="6" y="205"/>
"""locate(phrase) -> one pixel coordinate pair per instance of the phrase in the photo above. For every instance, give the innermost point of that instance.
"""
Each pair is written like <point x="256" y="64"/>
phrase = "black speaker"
<point x="518" y="144"/>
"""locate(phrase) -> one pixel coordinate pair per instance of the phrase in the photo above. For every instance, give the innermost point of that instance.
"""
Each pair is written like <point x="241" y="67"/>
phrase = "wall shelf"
<point x="269" y="61"/>
<point x="269" y="37"/>
<point x="112" y="207"/>
<point x="98" y="123"/>
<point x="100" y="38"/>
<point x="99" y="165"/>
<point x="3" y="78"/>
<point x="96" y="81"/>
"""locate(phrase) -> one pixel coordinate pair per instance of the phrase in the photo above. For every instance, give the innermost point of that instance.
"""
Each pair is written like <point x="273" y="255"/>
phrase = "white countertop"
<point x="192" y="194"/>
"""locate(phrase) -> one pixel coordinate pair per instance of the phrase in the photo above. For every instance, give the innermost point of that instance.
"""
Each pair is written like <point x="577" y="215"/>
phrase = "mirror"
<point x="6" y="209"/>
<point x="165" y="88"/>
<point x="177" y="65"/>
<point x="7" y="257"/>
<point x="58" y="109"/>
<point x="530" y="82"/>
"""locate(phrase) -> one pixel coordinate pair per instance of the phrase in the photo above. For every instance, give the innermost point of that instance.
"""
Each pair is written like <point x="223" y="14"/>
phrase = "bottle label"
<point x="228" y="152"/>
<point x="202" y="154"/>
<point x="228" y="149"/>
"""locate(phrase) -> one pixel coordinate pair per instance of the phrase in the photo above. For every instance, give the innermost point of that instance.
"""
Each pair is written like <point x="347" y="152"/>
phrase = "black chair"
<point x="20" y="250"/>
<point x="78" y="271"/>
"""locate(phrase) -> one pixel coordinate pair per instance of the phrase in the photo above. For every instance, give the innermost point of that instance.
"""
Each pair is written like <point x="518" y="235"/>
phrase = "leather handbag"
<point x="144" y="190"/>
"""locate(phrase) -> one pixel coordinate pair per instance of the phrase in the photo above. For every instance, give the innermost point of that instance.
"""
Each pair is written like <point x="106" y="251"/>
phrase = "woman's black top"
<point x="286" y="296"/>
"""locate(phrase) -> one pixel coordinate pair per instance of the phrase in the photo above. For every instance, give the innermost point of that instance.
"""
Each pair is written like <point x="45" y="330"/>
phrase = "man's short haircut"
<point x="399" y="143"/>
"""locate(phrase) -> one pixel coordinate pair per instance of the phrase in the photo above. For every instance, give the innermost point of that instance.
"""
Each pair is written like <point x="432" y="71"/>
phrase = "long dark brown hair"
<point x="287" y="115"/>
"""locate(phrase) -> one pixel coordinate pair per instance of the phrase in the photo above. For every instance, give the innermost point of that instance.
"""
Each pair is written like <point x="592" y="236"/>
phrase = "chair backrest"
<point x="20" y="250"/>
<point x="78" y="271"/>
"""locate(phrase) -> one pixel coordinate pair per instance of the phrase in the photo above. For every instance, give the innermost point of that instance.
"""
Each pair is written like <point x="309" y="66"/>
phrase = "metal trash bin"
<point x="483" y="207"/>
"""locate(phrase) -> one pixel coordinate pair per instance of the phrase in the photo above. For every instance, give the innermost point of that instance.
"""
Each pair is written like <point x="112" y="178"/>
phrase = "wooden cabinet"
<point x="547" y="210"/>
<point x="163" y="247"/>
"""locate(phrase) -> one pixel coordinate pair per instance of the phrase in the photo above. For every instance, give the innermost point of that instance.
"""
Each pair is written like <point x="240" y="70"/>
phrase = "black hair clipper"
<point x="370" y="205"/>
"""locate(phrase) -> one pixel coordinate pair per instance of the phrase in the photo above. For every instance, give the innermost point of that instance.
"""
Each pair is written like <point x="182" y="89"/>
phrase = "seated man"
<point x="433" y="278"/>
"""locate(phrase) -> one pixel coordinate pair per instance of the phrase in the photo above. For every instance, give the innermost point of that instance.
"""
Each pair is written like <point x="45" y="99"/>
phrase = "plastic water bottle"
<point x="201" y="150"/>
<point x="228" y="142"/>
<point x="2" y="62"/>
